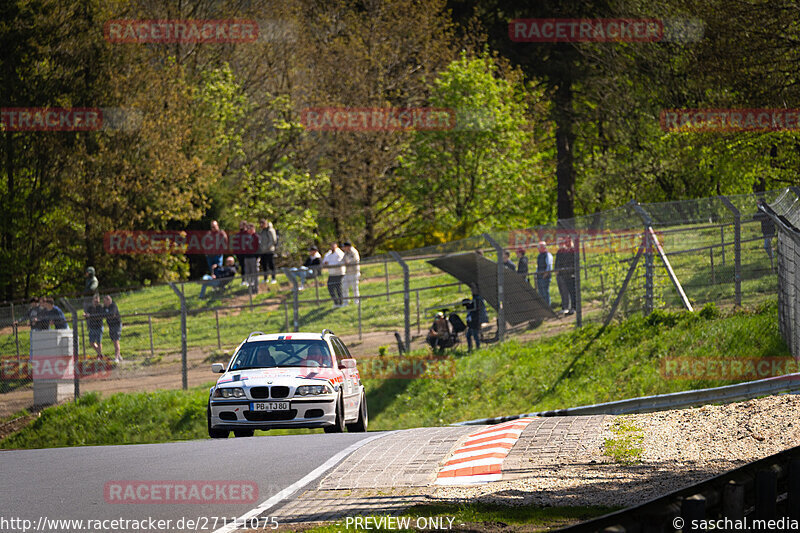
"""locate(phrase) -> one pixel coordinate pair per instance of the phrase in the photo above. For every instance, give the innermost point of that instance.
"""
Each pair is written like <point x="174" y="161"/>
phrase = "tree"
<point x="487" y="171"/>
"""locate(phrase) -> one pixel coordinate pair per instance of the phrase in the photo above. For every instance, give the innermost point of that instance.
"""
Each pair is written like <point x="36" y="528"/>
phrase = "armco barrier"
<point x="660" y="402"/>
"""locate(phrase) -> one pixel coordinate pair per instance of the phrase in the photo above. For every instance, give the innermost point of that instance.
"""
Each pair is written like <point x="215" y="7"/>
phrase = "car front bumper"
<point x="302" y="413"/>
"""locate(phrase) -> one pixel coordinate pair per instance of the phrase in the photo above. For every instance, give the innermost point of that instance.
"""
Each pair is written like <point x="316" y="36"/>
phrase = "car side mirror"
<point x="218" y="368"/>
<point x="347" y="363"/>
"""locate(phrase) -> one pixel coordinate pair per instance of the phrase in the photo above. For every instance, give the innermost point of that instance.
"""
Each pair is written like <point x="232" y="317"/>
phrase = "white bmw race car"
<point x="287" y="380"/>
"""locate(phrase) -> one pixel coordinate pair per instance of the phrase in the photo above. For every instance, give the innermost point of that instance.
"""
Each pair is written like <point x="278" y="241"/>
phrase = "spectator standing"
<point x="52" y="315"/>
<point x="114" y="322"/>
<point x="91" y="285"/>
<point x="334" y="260"/>
<point x="94" y="314"/>
<point x="565" y="275"/>
<point x="219" y="242"/>
<point x="352" y="271"/>
<point x="508" y="262"/>
<point x="522" y="263"/>
<point x="544" y="271"/>
<point x="221" y="275"/>
<point x="251" y="257"/>
<point x="476" y="316"/>
<point x="310" y="268"/>
<point x="269" y="242"/>
<point x="36" y="314"/>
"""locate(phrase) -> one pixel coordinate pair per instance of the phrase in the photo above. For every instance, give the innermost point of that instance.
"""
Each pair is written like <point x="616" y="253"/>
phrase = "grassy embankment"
<point x="565" y="370"/>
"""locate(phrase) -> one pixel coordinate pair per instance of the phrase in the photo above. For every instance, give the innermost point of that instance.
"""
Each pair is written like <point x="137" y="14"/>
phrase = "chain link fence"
<point x="783" y="215"/>
<point x="632" y="259"/>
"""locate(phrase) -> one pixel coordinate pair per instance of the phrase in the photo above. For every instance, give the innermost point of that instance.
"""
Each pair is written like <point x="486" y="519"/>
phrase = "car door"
<point x="350" y="384"/>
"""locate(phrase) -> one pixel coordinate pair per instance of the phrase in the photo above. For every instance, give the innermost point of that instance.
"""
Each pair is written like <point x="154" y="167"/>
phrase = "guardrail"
<point x="660" y="402"/>
<point x="760" y="496"/>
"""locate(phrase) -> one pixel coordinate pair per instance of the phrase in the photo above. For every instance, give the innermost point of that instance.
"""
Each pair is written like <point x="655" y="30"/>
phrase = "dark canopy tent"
<point x="522" y="302"/>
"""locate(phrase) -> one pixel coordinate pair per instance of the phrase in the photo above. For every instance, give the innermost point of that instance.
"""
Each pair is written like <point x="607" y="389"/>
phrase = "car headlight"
<point x="311" y="390"/>
<point x="229" y="392"/>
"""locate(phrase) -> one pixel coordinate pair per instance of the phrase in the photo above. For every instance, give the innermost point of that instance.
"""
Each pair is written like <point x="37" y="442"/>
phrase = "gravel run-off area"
<point x="680" y="448"/>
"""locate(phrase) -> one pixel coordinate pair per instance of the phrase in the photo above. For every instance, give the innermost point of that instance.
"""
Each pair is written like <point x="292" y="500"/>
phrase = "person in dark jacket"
<point x="522" y="263"/>
<point x="310" y="269"/>
<point x="508" y="262"/>
<point x="221" y="276"/>
<point x="114" y="322"/>
<point x="565" y="274"/>
<point x="94" y="314"/>
<point x="52" y="315"/>
<point x="476" y="316"/>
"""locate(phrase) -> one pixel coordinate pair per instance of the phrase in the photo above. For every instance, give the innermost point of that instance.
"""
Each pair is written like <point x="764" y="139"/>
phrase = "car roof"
<point x="304" y="336"/>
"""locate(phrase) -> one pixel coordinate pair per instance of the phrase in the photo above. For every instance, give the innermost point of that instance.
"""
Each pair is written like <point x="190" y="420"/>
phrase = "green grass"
<point x="475" y="517"/>
<point x="574" y="368"/>
<point x="565" y="370"/>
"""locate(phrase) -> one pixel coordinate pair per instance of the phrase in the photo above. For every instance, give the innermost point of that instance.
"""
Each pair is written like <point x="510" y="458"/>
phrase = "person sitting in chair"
<point x="439" y="334"/>
<point x="221" y="277"/>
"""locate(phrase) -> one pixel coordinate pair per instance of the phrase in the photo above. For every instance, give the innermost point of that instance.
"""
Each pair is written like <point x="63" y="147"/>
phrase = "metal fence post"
<point x="386" y="275"/>
<point x="216" y="317"/>
<point x="184" y="366"/>
<point x="16" y="338"/>
<point x="406" y="299"/>
<point x="501" y="297"/>
<point x="150" y="332"/>
<point x="76" y="380"/>
<point x="737" y="247"/>
<point x="648" y="256"/>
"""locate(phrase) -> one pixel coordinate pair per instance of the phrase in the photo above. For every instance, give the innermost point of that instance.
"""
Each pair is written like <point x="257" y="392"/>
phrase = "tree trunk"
<point x="565" y="142"/>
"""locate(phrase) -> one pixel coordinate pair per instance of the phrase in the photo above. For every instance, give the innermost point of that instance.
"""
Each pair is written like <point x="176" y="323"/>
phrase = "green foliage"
<point x="119" y="419"/>
<point x="486" y="171"/>
<point x="626" y="445"/>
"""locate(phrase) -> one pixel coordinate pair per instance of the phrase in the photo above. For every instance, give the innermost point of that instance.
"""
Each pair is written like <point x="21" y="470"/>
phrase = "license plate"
<point x="269" y="406"/>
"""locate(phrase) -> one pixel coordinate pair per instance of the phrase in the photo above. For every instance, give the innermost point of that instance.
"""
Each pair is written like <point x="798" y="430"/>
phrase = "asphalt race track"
<point x="70" y="483"/>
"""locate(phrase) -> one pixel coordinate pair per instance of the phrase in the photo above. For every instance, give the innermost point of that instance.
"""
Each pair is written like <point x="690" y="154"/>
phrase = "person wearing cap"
<point x="90" y="288"/>
<point x="310" y="268"/>
<point x="476" y="315"/>
<point x="334" y="261"/>
<point x="352" y="271"/>
<point x="544" y="271"/>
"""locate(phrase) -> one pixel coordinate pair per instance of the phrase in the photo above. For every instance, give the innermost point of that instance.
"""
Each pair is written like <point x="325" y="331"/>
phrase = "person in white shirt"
<point x="352" y="271"/>
<point x="334" y="261"/>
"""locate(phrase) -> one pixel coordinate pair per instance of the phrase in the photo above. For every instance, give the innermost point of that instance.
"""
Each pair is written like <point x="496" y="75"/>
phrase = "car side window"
<point x="337" y="349"/>
<point x="343" y="348"/>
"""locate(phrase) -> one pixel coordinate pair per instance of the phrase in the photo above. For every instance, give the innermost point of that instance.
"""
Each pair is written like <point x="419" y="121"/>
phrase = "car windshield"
<point x="283" y="353"/>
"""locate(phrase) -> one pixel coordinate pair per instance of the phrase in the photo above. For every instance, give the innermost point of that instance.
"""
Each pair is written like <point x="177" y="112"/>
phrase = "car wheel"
<point x="338" y="425"/>
<point x="215" y="433"/>
<point x="243" y="432"/>
<point x="360" y="425"/>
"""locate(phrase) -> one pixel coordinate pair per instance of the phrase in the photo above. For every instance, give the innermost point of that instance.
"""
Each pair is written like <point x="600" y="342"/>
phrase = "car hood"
<point x="280" y="376"/>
